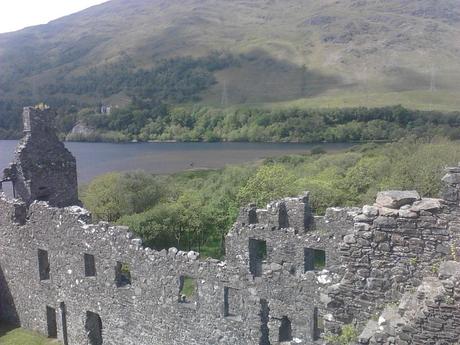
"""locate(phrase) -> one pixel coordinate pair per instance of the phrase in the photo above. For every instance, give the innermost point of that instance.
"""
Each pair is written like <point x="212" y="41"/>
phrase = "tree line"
<point x="201" y="123"/>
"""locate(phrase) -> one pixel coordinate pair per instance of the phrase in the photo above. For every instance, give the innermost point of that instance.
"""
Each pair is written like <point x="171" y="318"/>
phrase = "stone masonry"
<point x="288" y="277"/>
<point x="429" y="314"/>
<point x="43" y="169"/>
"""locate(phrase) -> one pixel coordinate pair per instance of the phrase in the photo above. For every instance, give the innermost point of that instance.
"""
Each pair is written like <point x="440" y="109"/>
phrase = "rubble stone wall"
<point x="390" y="252"/>
<point x="397" y="244"/>
<point x="233" y="303"/>
<point x="43" y="169"/>
<point x="230" y="306"/>
<point x="429" y="314"/>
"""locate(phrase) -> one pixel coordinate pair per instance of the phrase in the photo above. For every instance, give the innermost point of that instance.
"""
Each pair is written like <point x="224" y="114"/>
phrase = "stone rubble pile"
<point x="428" y="315"/>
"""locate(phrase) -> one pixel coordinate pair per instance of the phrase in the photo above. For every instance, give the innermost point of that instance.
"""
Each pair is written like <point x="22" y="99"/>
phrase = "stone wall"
<point x="43" y="169"/>
<point x="231" y="305"/>
<point x="290" y="277"/>
<point x="393" y="247"/>
<point x="429" y="314"/>
<point x="283" y="300"/>
<point x="398" y="243"/>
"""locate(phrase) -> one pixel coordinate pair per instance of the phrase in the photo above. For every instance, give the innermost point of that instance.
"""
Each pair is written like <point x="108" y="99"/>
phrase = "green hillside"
<point x="272" y="54"/>
<point x="295" y="49"/>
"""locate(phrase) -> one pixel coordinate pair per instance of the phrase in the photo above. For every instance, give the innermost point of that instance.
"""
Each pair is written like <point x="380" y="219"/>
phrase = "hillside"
<point x="290" y="52"/>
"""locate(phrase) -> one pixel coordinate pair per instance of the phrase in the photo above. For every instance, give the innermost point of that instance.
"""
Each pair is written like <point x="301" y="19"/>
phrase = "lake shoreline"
<point x="173" y="141"/>
<point x="357" y="142"/>
<point x="94" y="159"/>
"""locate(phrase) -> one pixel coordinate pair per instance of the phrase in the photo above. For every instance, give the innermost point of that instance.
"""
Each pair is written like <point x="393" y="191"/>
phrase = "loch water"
<point x="94" y="159"/>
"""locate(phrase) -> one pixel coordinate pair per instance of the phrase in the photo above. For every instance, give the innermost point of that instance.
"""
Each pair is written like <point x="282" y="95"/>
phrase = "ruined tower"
<point x="43" y="169"/>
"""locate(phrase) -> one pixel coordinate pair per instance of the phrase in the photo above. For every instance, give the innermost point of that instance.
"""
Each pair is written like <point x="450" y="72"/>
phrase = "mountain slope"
<point x="293" y="49"/>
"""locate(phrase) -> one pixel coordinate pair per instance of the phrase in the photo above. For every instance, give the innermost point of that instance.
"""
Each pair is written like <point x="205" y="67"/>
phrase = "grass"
<point x="19" y="336"/>
<point x="189" y="287"/>
<point x="414" y="99"/>
<point x="441" y="100"/>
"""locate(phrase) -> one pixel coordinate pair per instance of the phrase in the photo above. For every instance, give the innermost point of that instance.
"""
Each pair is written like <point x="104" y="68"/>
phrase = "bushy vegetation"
<point x="348" y="335"/>
<point x="173" y="80"/>
<point x="9" y="119"/>
<point x="160" y="122"/>
<point x="195" y="209"/>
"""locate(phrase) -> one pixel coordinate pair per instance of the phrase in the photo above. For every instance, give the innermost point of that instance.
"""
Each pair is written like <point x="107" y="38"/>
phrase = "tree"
<point x="158" y="226"/>
<point x="269" y="183"/>
<point x="102" y="197"/>
<point x="114" y="195"/>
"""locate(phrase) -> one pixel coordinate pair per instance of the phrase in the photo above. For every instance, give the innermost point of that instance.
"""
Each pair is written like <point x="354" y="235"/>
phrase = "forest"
<point x="151" y="91"/>
<point x="203" y="123"/>
<point x="172" y="80"/>
<point x="164" y="104"/>
<point x="194" y="210"/>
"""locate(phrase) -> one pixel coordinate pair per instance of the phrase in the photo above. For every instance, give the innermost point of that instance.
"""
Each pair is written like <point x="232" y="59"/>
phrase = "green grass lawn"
<point x="19" y="336"/>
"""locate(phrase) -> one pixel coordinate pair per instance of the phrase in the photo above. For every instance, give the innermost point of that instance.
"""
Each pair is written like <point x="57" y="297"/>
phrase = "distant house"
<point x="106" y="109"/>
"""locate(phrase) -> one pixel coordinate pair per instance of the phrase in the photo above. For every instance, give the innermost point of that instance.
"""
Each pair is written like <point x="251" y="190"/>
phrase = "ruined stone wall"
<point x="395" y="244"/>
<point x="271" y="289"/>
<point x="231" y="305"/>
<point x="290" y="279"/>
<point x="430" y="314"/>
<point x="43" y="169"/>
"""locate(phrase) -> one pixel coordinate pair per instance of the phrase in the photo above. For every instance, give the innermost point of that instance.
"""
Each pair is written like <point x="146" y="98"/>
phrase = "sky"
<point x="18" y="14"/>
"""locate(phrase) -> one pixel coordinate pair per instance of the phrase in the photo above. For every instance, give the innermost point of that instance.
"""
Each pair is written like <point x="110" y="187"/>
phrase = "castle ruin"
<point x="389" y="270"/>
<point x="43" y="169"/>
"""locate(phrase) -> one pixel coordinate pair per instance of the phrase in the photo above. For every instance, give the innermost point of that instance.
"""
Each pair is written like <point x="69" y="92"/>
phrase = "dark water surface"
<point x="94" y="159"/>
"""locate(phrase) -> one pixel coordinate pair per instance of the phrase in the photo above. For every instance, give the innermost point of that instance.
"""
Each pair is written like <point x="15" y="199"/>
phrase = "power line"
<point x="224" y="98"/>
<point x="432" y="84"/>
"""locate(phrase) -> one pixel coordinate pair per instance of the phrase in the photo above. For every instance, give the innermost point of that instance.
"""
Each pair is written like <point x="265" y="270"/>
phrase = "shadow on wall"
<point x="8" y="313"/>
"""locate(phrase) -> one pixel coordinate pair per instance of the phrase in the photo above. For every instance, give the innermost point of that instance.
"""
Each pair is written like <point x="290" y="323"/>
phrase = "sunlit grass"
<point x="19" y="336"/>
<point x="421" y="100"/>
<point x="189" y="287"/>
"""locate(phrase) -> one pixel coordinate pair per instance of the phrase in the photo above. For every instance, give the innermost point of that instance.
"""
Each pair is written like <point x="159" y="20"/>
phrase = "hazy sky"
<point x="17" y="14"/>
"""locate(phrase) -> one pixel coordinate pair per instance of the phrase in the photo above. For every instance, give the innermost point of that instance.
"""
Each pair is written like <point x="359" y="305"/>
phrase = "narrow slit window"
<point x="90" y="265"/>
<point x="43" y="194"/>
<point x="283" y="218"/>
<point x="318" y="324"/>
<point x="187" y="289"/>
<point x="257" y="255"/>
<point x="252" y="215"/>
<point x="122" y="275"/>
<point x="233" y="303"/>
<point x="43" y="265"/>
<point x="285" y="331"/>
<point x="51" y="322"/>
<point x="65" y="336"/>
<point x="93" y="327"/>
<point x="314" y="259"/>
<point x="264" y="319"/>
